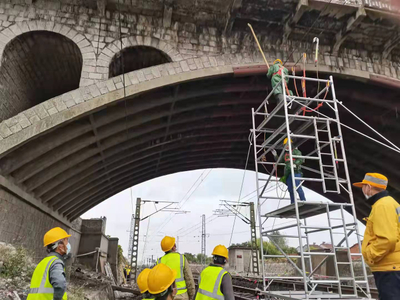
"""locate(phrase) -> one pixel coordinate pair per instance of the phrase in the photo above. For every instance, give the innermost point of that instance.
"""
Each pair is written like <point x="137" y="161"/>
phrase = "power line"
<point x="184" y="201"/>
<point x="196" y="188"/>
<point x="240" y="193"/>
<point x="198" y="227"/>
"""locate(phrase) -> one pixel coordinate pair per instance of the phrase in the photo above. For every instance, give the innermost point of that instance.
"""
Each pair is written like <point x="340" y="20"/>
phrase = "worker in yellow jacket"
<point x="381" y="244"/>
<point x="143" y="285"/>
<point x="178" y="262"/>
<point x="48" y="280"/>
<point x="214" y="281"/>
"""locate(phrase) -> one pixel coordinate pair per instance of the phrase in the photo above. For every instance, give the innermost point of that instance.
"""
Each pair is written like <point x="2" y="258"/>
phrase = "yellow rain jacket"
<point x="381" y="244"/>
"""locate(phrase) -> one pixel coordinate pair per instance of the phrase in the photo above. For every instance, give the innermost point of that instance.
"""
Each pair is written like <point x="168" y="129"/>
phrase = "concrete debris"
<point x="126" y="295"/>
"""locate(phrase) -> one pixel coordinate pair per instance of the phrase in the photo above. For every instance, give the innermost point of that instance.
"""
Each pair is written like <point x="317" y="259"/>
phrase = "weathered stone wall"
<point x="24" y="225"/>
<point x="98" y="37"/>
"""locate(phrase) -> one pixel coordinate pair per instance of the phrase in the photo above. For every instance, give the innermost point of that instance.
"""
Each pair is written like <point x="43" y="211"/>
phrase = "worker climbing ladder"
<point x="321" y="135"/>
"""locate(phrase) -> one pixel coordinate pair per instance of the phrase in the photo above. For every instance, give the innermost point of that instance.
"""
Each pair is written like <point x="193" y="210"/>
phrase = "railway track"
<point x="241" y="292"/>
<point x="246" y="288"/>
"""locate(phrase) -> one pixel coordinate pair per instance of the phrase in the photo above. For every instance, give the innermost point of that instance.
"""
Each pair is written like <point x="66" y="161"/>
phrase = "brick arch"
<point x="84" y="45"/>
<point x="107" y="54"/>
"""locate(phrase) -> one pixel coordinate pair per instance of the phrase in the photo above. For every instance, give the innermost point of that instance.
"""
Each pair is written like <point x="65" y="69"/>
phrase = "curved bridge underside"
<point x="202" y="123"/>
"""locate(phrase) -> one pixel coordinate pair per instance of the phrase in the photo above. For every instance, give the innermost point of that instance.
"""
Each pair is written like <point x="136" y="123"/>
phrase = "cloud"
<point x="220" y="184"/>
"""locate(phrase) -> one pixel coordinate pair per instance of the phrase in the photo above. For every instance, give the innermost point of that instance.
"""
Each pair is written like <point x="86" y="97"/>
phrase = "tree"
<point x="197" y="259"/>
<point x="206" y="260"/>
<point x="190" y="257"/>
<point x="269" y="247"/>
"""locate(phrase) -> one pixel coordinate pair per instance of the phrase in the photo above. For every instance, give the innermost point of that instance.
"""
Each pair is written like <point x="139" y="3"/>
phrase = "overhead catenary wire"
<point x="240" y="193"/>
<point x="145" y="240"/>
<point x="198" y="224"/>
<point x="169" y="218"/>
<point x="198" y="227"/>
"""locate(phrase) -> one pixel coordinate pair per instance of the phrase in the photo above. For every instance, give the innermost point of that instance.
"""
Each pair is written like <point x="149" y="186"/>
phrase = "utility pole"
<point x="233" y="210"/>
<point x="254" y="248"/>
<point x="133" y="249"/>
<point x="134" y="238"/>
<point x="203" y="239"/>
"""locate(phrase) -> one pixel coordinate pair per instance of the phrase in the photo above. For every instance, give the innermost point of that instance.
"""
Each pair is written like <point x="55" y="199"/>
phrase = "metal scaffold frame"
<point x="310" y="128"/>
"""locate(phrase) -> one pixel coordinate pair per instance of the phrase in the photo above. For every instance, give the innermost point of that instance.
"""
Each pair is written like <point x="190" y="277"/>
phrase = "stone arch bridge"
<point x="97" y="96"/>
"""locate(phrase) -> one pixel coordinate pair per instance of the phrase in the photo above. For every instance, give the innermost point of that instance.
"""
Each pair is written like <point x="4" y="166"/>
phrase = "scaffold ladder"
<point x="323" y="133"/>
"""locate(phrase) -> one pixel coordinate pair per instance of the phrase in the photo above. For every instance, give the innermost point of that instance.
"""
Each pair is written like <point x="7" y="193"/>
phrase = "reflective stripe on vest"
<point x="210" y="287"/>
<point x="170" y="259"/>
<point x="45" y="290"/>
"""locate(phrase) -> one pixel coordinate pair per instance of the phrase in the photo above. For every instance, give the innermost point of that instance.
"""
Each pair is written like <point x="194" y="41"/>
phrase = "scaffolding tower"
<point x="323" y="134"/>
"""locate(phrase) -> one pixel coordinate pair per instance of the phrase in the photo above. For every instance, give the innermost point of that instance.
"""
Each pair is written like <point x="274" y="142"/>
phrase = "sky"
<point x="200" y="192"/>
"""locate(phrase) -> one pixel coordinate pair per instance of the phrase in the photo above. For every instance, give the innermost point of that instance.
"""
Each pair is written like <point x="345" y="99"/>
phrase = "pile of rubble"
<point x="16" y="268"/>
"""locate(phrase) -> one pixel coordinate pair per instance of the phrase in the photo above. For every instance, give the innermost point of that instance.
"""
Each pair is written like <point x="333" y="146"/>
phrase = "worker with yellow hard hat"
<point x="143" y="285"/>
<point x="125" y="272"/>
<point x="275" y="73"/>
<point x="128" y="273"/>
<point x="287" y="177"/>
<point x="177" y="262"/>
<point x="381" y="243"/>
<point x="214" y="281"/>
<point x="161" y="282"/>
<point x="48" y="280"/>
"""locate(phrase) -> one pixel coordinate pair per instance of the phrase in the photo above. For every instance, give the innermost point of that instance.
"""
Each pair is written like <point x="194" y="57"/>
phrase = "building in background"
<point x="240" y="259"/>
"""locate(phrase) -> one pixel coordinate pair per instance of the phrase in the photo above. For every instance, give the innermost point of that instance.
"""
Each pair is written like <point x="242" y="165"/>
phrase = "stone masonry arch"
<point x="107" y="54"/>
<point x="79" y="132"/>
<point x="52" y="113"/>
<point x="85" y="46"/>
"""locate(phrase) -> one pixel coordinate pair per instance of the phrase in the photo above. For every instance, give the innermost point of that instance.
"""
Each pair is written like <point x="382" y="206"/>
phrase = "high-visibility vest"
<point x="128" y="271"/>
<point x="41" y="288"/>
<point x="176" y="261"/>
<point x="210" y="283"/>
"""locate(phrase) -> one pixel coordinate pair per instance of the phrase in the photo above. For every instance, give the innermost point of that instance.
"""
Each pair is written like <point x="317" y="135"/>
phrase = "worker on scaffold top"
<point x="275" y="73"/>
<point x="381" y="244"/>
<point x="287" y="178"/>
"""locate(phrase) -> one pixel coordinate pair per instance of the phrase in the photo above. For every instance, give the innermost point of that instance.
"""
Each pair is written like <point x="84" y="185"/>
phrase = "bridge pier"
<point x="24" y="220"/>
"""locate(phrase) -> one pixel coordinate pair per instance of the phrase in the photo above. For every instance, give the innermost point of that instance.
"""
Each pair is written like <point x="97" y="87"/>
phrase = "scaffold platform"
<point x="306" y="209"/>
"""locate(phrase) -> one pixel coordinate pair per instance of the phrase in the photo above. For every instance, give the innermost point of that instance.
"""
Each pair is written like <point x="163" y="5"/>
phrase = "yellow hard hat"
<point x="220" y="250"/>
<point x="160" y="279"/>
<point x="373" y="179"/>
<point x="54" y="235"/>
<point x="142" y="280"/>
<point x="285" y="141"/>
<point x="278" y="60"/>
<point x="167" y="243"/>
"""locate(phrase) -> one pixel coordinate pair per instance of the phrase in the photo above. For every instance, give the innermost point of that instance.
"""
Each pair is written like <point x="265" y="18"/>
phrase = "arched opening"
<point x="37" y="66"/>
<point x="136" y="58"/>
